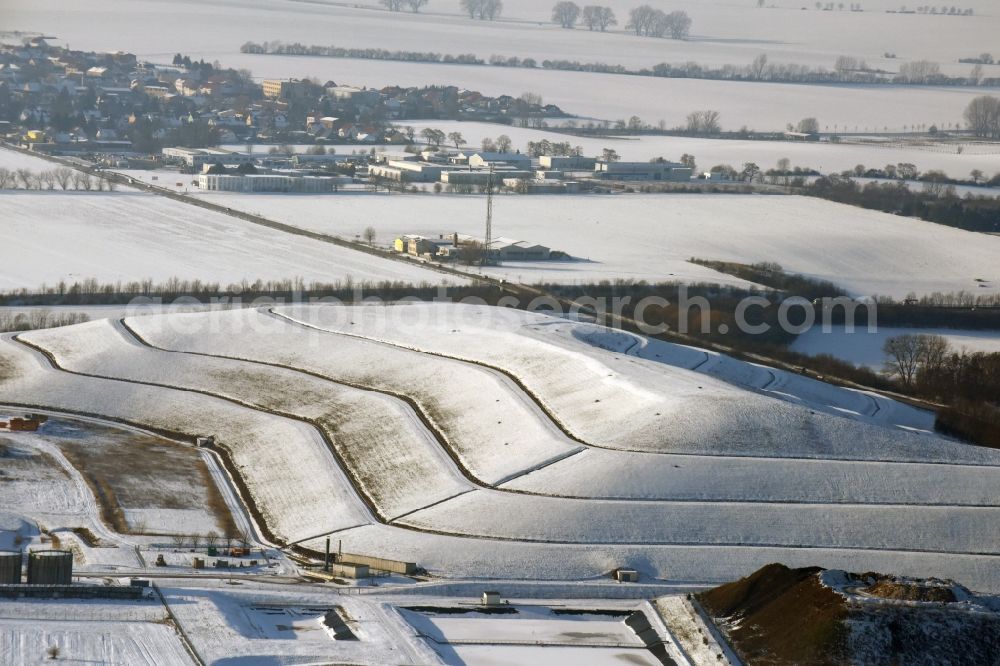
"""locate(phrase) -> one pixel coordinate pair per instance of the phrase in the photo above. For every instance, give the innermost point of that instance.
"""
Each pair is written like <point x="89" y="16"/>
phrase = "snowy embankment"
<point x="383" y="444"/>
<point x="284" y="463"/>
<point x="129" y="236"/>
<point x="493" y="431"/>
<point x="658" y="404"/>
<point x="651" y="237"/>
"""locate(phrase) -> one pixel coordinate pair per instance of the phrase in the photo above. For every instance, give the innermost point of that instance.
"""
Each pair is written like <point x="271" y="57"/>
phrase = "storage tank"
<point x="50" y="567"/>
<point x="10" y="567"/>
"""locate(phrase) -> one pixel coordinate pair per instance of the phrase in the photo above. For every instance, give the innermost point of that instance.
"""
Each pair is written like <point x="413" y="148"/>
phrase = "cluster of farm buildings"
<point x="230" y="171"/>
<point x="455" y="247"/>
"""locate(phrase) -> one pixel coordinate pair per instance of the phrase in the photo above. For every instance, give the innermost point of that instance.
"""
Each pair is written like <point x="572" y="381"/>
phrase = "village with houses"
<point x="190" y="117"/>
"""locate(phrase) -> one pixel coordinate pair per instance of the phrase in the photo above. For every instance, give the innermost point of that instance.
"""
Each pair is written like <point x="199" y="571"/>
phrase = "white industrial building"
<point x="268" y="183"/>
<point x="197" y="158"/>
<point x="485" y="160"/>
<point x="567" y="162"/>
<point x="482" y="177"/>
<point x="408" y="171"/>
<point x="660" y="171"/>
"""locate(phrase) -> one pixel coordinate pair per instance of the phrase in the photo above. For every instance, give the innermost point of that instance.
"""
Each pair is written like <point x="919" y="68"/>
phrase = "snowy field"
<point x="757" y="106"/>
<point x="651" y="237"/>
<point x="863" y="348"/>
<point x="125" y="236"/>
<point x="104" y="641"/>
<point x="457" y="485"/>
<point x="14" y="159"/>
<point x="722" y="33"/>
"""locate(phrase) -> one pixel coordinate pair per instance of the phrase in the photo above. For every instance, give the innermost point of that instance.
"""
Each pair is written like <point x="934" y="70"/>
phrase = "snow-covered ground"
<point x="26" y="638"/>
<point x="864" y="348"/>
<point x="722" y="32"/>
<point x="651" y="237"/>
<point x="13" y="160"/>
<point x="757" y="106"/>
<point x="131" y="236"/>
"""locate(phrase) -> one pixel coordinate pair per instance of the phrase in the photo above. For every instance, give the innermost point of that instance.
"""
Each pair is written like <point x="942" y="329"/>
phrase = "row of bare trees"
<point x="595" y="17"/>
<point x="484" y="10"/>
<point x="647" y="21"/>
<point x="968" y="383"/>
<point x="61" y="178"/>
<point x="33" y="320"/>
<point x="399" y="5"/>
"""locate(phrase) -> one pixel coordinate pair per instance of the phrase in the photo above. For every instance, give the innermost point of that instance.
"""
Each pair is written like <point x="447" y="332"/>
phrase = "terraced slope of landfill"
<point x="482" y="442"/>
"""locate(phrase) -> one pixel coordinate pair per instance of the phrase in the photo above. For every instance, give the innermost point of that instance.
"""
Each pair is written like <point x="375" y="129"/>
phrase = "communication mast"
<point x="488" y="247"/>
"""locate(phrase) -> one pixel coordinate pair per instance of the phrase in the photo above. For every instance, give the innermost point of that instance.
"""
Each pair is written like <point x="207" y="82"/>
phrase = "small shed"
<point x="491" y="598"/>
<point x="627" y="576"/>
<point x="350" y="570"/>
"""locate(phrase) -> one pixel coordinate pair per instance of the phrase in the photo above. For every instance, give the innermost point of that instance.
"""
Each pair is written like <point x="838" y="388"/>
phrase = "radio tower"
<point x="488" y="248"/>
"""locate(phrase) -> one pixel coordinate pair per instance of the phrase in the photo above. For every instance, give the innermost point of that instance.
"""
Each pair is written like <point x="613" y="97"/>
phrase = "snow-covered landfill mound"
<point x="495" y="443"/>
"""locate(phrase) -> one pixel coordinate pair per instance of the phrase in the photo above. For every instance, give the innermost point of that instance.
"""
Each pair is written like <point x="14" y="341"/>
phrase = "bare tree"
<point x="908" y="354"/>
<point x="25" y="176"/>
<point x="392" y="5"/>
<point x="703" y="122"/>
<point x="64" y="177"/>
<point x="457" y="139"/>
<point x="471" y="252"/>
<point x="758" y="67"/>
<point x="641" y="19"/>
<point x="370" y="234"/>
<point x="504" y="143"/>
<point x="596" y="17"/>
<point x="610" y="155"/>
<point x="48" y="179"/>
<point x="808" y="126"/>
<point x="415" y="5"/>
<point x="488" y="145"/>
<point x="7" y="178"/>
<point x="566" y="13"/>
<point x="491" y="9"/>
<point x="982" y="116"/>
<point x="482" y="9"/>
<point x="678" y="24"/>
